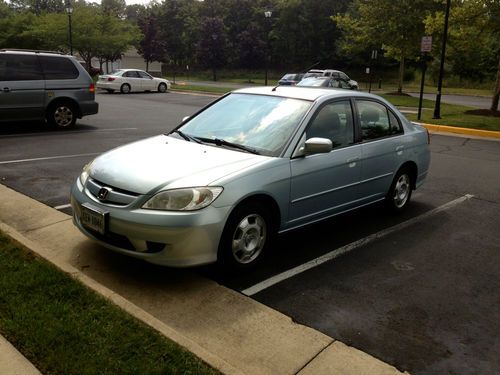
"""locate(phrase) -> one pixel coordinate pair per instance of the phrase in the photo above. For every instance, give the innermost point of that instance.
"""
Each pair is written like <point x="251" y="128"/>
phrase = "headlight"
<point x="85" y="173"/>
<point x="188" y="199"/>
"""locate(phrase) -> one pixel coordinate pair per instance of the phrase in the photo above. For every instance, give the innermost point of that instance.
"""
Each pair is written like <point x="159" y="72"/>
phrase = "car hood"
<point x="166" y="162"/>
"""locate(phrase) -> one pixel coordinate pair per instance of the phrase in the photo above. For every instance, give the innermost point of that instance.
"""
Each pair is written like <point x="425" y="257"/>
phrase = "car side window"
<point x="19" y="68"/>
<point x="144" y="75"/>
<point x="375" y="120"/>
<point x="131" y="74"/>
<point x="58" y="68"/>
<point x="333" y="121"/>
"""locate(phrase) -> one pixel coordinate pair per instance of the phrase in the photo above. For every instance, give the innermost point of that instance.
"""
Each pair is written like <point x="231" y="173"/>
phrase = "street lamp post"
<point x="437" y="108"/>
<point x="69" y="10"/>
<point x="268" y="15"/>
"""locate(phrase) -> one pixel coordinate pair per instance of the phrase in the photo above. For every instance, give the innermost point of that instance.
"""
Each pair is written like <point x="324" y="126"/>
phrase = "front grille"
<point x="115" y="196"/>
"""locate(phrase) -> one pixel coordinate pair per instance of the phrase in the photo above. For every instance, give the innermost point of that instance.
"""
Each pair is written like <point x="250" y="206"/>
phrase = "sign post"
<point x="425" y="47"/>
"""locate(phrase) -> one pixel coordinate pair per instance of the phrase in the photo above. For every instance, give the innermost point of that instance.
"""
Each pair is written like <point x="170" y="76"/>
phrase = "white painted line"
<point x="349" y="247"/>
<point x="63" y="206"/>
<point x="48" y="158"/>
<point x="65" y="132"/>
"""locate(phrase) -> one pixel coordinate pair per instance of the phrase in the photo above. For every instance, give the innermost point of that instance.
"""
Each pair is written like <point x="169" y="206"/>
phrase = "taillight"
<point x="92" y="88"/>
<point x="111" y="79"/>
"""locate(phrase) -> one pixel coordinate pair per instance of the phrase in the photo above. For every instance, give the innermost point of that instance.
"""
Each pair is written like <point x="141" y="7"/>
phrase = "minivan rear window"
<point x="58" y="68"/>
<point x="17" y="67"/>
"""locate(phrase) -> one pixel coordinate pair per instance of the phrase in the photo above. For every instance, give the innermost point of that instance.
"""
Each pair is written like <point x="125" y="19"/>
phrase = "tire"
<point x="125" y="88"/>
<point x="62" y="115"/>
<point x="399" y="194"/>
<point x="110" y="91"/>
<point x="162" y="87"/>
<point x="247" y="235"/>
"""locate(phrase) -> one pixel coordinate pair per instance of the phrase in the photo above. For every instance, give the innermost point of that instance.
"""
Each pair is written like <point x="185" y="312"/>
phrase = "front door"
<point x="326" y="184"/>
<point x="22" y="87"/>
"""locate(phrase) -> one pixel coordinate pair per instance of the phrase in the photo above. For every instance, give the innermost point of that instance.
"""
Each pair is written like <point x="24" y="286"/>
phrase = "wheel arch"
<point x="412" y="167"/>
<point x="263" y="200"/>
<point x="61" y="100"/>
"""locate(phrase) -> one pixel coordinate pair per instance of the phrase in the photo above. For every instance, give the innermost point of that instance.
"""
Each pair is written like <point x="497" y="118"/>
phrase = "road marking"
<point x="349" y="247"/>
<point x="64" y="132"/>
<point x="63" y="206"/>
<point x="48" y="158"/>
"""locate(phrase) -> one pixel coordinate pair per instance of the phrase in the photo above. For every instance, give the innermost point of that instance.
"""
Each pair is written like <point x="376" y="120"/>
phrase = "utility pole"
<point x="437" y="108"/>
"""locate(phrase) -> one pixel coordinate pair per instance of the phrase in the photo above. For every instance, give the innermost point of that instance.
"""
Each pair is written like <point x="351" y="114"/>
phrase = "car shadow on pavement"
<point x="39" y="128"/>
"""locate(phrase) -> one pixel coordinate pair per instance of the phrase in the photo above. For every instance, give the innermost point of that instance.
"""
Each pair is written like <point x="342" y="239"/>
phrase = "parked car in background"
<point x="254" y="163"/>
<point x="290" y="79"/>
<point x="325" y="82"/>
<point x="37" y="85"/>
<point x="129" y="80"/>
<point x="334" y="74"/>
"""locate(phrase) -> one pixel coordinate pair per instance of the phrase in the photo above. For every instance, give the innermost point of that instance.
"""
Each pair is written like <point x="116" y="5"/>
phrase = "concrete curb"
<point x="463" y="131"/>
<point x="14" y="363"/>
<point x="227" y="330"/>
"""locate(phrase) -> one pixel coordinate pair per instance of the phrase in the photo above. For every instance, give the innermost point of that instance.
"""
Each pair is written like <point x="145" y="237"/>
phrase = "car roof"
<point x="304" y="93"/>
<point x="32" y="52"/>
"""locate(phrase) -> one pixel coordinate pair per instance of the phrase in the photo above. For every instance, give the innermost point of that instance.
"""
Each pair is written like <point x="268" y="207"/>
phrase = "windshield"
<point x="260" y="122"/>
<point x="313" y="81"/>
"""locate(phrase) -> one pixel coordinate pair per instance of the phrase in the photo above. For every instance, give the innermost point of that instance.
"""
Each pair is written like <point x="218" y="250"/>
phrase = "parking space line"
<point x="63" y="206"/>
<point x="64" y="133"/>
<point x="349" y="247"/>
<point x="48" y="158"/>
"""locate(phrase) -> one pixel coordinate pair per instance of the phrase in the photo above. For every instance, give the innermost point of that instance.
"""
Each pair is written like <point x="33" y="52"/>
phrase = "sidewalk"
<point x="229" y="331"/>
<point x="12" y="362"/>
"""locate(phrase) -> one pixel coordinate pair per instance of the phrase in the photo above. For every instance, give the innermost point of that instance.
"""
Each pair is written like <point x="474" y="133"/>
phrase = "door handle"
<point x="400" y="148"/>
<point x="6" y="89"/>
<point x="352" y="162"/>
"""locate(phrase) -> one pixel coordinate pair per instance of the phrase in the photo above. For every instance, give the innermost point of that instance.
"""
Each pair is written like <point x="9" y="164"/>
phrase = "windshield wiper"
<point x="223" y="142"/>
<point x="186" y="137"/>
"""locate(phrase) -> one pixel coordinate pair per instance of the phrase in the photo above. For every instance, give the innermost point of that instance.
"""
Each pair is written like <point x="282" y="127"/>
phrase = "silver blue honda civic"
<point x="254" y="163"/>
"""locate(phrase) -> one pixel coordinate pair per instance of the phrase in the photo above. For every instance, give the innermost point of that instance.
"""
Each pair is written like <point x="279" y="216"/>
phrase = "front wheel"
<point x="399" y="194"/>
<point x="246" y="236"/>
<point x="162" y="87"/>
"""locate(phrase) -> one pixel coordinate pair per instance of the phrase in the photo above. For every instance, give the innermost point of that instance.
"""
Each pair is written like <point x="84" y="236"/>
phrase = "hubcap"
<point x="249" y="238"/>
<point x="126" y="89"/>
<point x="63" y="116"/>
<point x="402" y="190"/>
<point x="163" y="87"/>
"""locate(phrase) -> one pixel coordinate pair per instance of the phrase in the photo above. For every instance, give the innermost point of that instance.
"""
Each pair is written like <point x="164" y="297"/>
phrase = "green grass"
<point x="451" y="114"/>
<point x="205" y="89"/>
<point x="64" y="328"/>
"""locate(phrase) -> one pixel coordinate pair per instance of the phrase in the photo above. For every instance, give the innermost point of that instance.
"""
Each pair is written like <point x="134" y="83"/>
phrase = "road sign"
<point x="426" y="44"/>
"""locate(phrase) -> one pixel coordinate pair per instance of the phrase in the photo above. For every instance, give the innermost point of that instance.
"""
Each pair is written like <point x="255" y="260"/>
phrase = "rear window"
<point x="17" y="67"/>
<point x="58" y="68"/>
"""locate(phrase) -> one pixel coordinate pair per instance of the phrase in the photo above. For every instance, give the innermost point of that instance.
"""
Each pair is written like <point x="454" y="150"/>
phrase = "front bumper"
<point x="177" y="239"/>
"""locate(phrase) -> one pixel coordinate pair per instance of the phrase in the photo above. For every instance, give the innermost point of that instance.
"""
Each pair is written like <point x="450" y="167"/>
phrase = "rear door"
<point x="383" y="147"/>
<point x="22" y="87"/>
<point x="133" y="79"/>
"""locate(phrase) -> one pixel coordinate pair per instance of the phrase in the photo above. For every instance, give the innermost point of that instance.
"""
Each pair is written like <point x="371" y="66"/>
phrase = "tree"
<point x="211" y="48"/>
<point x="151" y="46"/>
<point x="396" y="26"/>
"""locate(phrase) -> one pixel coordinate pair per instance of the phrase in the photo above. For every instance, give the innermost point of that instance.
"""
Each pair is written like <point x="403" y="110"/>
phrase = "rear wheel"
<point x="62" y="115"/>
<point x="125" y="88"/>
<point x="162" y="87"/>
<point x="247" y="235"/>
<point x="399" y="194"/>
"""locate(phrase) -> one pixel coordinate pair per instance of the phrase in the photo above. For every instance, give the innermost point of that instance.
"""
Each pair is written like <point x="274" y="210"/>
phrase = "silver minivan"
<point x="38" y="85"/>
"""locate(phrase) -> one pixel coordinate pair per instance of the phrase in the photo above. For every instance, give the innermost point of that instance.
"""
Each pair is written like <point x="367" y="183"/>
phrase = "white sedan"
<point x="128" y="80"/>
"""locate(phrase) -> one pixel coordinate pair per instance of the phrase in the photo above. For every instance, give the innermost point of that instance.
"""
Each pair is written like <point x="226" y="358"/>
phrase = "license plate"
<point x="93" y="218"/>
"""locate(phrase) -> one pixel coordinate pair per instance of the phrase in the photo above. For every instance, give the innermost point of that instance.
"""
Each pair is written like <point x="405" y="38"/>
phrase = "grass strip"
<point x="451" y="114"/>
<point x="62" y="327"/>
<point x="204" y="89"/>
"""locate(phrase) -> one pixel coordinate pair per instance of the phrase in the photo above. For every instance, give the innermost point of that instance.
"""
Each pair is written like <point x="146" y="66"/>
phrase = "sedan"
<point x="326" y="82"/>
<point x="290" y="79"/>
<point x="129" y="80"/>
<point x="254" y="163"/>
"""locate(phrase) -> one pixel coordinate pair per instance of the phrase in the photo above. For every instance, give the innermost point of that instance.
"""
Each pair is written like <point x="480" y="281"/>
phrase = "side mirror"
<point x="318" y="146"/>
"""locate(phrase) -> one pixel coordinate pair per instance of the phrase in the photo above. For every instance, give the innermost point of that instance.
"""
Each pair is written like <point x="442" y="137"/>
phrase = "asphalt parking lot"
<point x="419" y="291"/>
